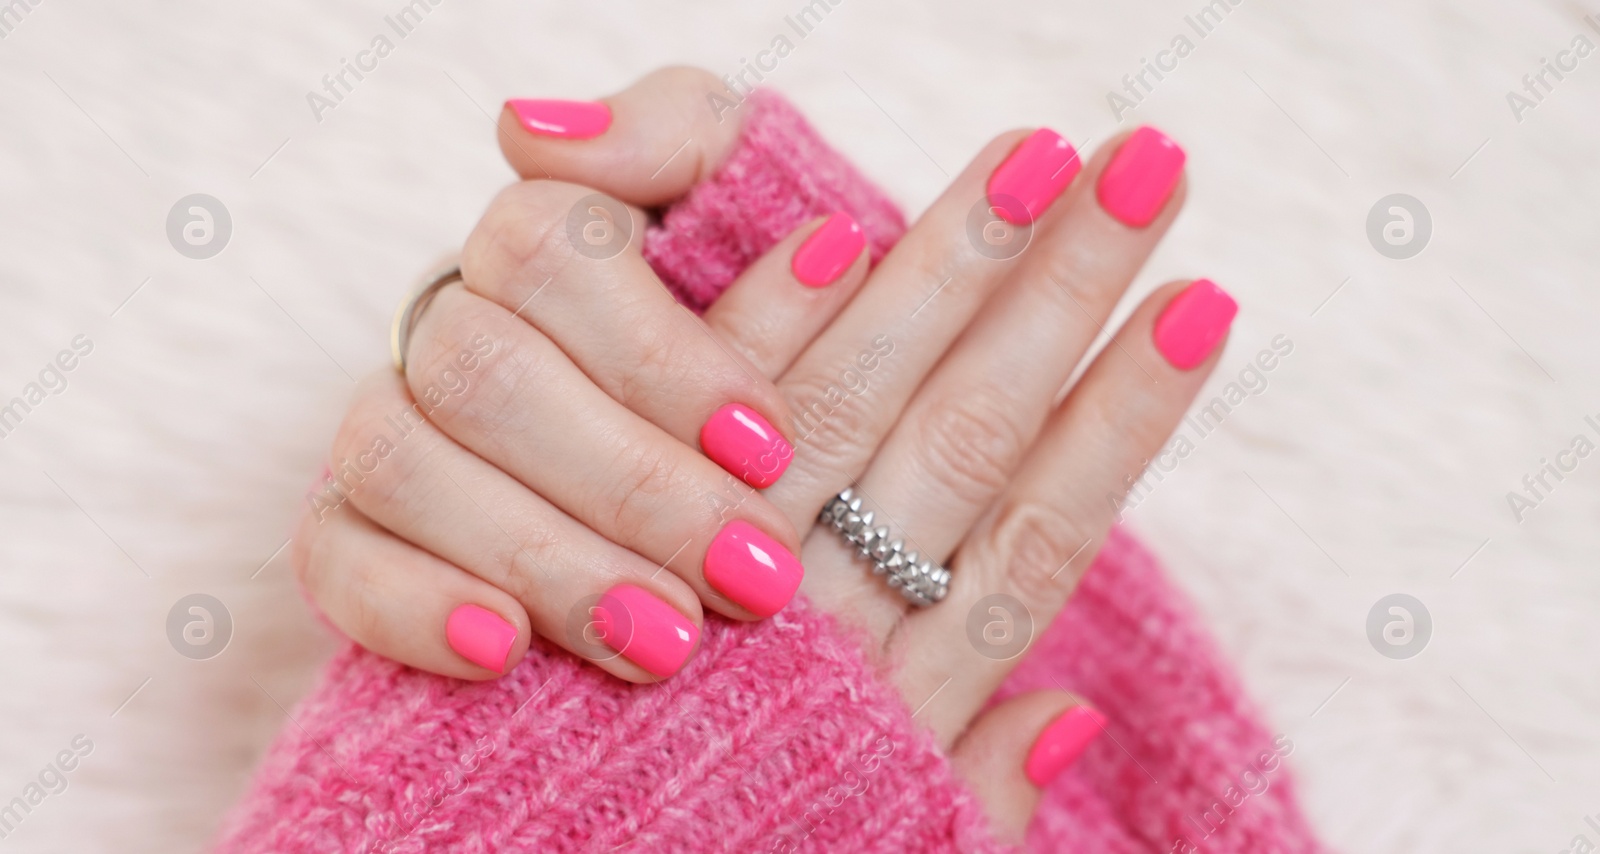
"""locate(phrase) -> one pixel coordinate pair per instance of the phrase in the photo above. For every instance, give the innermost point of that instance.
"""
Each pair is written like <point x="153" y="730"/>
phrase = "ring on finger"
<point x="922" y="582"/>
<point x="405" y="317"/>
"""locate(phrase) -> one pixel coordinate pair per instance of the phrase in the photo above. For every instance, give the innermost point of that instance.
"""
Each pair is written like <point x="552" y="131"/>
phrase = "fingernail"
<point x="651" y="633"/>
<point x="481" y="636"/>
<point x="565" y="119"/>
<point x="750" y="568"/>
<point x="1141" y="177"/>
<point x="829" y="251"/>
<point x="1061" y="743"/>
<point x="1033" y="176"/>
<point x="1192" y="324"/>
<point x="747" y="445"/>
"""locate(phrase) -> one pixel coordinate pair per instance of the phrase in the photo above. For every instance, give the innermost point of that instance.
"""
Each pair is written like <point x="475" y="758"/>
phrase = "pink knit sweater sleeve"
<point x="779" y="735"/>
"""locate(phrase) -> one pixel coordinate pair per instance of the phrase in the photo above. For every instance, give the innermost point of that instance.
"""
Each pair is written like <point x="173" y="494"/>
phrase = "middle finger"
<point x="511" y="396"/>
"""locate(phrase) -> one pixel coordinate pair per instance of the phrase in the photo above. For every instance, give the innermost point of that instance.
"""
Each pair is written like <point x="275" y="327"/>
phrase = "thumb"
<point x="646" y="145"/>
<point x="1015" y="749"/>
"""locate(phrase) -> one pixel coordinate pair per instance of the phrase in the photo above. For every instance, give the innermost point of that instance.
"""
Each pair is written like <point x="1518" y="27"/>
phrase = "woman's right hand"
<point x="571" y="453"/>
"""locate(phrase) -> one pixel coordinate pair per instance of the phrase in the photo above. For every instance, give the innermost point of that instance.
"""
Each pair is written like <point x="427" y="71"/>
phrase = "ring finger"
<point x="968" y="427"/>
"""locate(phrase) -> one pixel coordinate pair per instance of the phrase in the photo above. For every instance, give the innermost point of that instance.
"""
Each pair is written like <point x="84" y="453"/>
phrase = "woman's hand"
<point x="957" y="435"/>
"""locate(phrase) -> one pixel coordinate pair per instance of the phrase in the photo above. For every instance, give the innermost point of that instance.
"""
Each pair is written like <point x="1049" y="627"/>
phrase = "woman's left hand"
<point x="937" y="396"/>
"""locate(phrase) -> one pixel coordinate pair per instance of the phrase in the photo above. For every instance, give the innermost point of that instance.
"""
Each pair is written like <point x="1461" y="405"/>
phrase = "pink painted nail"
<point x="481" y="636"/>
<point x="651" y="633"/>
<point x="750" y="568"/>
<point x="1061" y="743"/>
<point x="565" y="119"/>
<point x="1192" y="324"/>
<point x="747" y="445"/>
<point x="1141" y="177"/>
<point x="1033" y="176"/>
<point x="829" y="251"/>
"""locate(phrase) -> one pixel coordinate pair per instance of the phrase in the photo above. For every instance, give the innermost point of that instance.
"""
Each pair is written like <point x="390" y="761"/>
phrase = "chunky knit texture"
<point x="779" y="735"/>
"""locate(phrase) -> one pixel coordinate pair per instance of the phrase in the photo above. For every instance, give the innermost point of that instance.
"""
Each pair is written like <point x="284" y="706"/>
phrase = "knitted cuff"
<point x="776" y="737"/>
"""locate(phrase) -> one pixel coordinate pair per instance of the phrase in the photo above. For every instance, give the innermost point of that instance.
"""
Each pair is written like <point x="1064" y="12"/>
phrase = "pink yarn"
<point x="778" y="736"/>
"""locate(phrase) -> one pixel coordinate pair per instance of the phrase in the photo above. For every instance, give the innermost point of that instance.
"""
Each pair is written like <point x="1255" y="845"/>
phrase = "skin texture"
<point x="569" y="464"/>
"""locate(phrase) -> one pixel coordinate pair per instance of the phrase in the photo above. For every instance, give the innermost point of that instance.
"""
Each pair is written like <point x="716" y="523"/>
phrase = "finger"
<point x="403" y="603"/>
<point x="777" y="306"/>
<point x="579" y="590"/>
<point x="645" y="145"/>
<point x="1034" y="542"/>
<point x="527" y="410"/>
<point x="610" y="315"/>
<point x="964" y="433"/>
<point x="922" y="295"/>
<point x="1017" y="748"/>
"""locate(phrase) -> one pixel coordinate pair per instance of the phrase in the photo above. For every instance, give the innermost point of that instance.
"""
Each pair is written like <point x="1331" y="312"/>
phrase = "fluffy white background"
<point x="1386" y="442"/>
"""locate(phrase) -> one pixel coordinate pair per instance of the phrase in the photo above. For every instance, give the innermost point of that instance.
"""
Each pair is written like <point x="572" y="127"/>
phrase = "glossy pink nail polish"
<point x="747" y="445"/>
<point x="1061" y="743"/>
<point x="651" y="633"/>
<point x="1192" y="324"/>
<point x="564" y="119"/>
<point x="750" y="568"/>
<point x="1141" y="177"/>
<point x="1033" y="176"/>
<point x="481" y="636"/>
<point x="829" y="251"/>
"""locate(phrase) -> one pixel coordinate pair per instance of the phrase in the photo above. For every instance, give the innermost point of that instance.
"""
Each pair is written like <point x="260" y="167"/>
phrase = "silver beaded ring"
<point x="921" y="582"/>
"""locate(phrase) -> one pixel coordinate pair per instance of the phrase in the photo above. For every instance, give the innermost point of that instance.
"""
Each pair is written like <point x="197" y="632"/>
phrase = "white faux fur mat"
<point x="1375" y="459"/>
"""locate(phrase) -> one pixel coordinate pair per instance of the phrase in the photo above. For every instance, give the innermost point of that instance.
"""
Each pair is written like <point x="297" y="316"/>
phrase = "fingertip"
<point x="560" y="119"/>
<point x="1062" y="741"/>
<point x="481" y="636"/>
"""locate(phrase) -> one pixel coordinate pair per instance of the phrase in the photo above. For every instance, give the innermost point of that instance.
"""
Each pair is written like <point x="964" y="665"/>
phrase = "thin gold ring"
<point x="405" y="317"/>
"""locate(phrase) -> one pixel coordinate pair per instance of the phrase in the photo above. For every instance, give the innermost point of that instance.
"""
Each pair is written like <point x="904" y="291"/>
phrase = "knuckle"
<point x="466" y="375"/>
<point x="1039" y="549"/>
<point x="364" y="616"/>
<point x="656" y="366"/>
<point x="1081" y="274"/>
<point x="834" y="430"/>
<point x="645" y="474"/>
<point x="305" y="554"/>
<point x="969" y="445"/>
<point x="361" y="447"/>
<point x="687" y="78"/>
<point x="522" y="232"/>
<point x="525" y="565"/>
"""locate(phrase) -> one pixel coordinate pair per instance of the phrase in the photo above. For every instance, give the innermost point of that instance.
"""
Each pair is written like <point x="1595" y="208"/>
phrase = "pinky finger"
<point x="1016" y="748"/>
<point x="771" y="313"/>
<point x="403" y="603"/>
